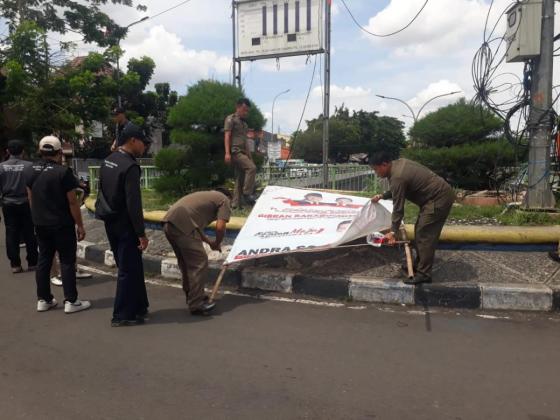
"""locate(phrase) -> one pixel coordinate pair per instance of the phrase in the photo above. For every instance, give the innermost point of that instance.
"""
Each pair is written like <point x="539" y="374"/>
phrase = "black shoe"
<point x="204" y="309"/>
<point x="126" y="322"/>
<point x="249" y="199"/>
<point x="554" y="256"/>
<point x="418" y="278"/>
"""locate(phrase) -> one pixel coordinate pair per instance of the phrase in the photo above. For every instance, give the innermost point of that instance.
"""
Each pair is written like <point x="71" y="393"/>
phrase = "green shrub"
<point x="172" y="185"/>
<point x="472" y="166"/>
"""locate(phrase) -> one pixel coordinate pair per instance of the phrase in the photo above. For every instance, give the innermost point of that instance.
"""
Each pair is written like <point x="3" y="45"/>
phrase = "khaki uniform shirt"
<point x="238" y="128"/>
<point x="198" y="210"/>
<point x="414" y="182"/>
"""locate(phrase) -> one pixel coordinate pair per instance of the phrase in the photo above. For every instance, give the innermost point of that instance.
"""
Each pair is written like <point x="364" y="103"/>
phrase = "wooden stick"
<point x="409" y="265"/>
<point x="408" y="254"/>
<point x="217" y="284"/>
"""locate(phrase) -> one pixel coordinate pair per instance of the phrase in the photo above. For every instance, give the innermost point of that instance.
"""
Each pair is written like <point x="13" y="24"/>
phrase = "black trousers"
<point x="131" y="298"/>
<point x="61" y="239"/>
<point x="17" y="219"/>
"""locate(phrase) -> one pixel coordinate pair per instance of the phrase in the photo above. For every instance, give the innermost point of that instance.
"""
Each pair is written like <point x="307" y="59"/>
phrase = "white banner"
<point x="288" y="220"/>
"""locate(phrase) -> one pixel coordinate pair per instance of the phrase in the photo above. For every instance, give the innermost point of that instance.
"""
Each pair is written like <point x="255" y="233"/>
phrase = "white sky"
<point x="431" y="57"/>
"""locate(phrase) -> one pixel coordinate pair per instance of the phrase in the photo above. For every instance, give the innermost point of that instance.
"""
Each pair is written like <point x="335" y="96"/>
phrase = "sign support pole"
<point x="327" y="94"/>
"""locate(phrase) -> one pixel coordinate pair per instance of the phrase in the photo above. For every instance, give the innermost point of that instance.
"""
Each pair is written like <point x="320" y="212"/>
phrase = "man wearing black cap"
<point x="119" y="185"/>
<point x="15" y="206"/>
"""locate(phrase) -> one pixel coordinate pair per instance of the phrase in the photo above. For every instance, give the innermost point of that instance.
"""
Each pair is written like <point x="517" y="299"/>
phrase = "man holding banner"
<point x="183" y="226"/>
<point x="411" y="181"/>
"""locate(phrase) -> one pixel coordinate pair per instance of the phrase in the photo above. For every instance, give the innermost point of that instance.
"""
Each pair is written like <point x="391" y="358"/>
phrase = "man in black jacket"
<point x="119" y="182"/>
<point x="15" y="206"/>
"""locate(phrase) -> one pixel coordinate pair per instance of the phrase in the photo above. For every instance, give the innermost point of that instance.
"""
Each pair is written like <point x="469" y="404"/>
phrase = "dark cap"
<point x="117" y="110"/>
<point x="130" y="131"/>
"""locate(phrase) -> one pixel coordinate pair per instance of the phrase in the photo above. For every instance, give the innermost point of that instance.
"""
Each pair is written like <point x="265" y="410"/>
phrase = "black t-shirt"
<point x="49" y="182"/>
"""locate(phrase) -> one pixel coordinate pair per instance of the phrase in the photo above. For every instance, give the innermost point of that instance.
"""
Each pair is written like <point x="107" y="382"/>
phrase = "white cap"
<point x="50" y="144"/>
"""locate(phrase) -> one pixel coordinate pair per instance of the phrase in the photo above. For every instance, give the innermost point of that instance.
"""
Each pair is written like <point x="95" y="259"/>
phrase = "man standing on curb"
<point x="56" y="214"/>
<point x="411" y="181"/>
<point x="237" y="152"/>
<point x="183" y="226"/>
<point x="15" y="206"/>
<point x="119" y="186"/>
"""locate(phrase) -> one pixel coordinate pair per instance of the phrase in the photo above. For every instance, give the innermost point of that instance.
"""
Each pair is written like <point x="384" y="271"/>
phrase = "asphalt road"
<point x="259" y="359"/>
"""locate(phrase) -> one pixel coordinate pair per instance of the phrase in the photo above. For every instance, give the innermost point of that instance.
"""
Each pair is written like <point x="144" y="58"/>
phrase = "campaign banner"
<point x="286" y="220"/>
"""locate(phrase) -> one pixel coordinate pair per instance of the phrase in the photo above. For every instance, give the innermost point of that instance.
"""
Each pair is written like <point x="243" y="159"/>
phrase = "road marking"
<point x="492" y="317"/>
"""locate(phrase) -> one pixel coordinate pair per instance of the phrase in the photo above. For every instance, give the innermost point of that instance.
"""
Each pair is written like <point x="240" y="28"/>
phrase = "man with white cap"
<point x="56" y="214"/>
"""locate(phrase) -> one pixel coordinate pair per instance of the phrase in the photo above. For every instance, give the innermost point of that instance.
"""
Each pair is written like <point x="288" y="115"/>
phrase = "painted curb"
<point x="520" y="297"/>
<point x="517" y="297"/>
<point x="381" y="291"/>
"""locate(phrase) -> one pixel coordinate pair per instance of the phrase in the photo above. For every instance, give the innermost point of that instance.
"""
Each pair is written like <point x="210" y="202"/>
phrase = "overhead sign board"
<point x="279" y="28"/>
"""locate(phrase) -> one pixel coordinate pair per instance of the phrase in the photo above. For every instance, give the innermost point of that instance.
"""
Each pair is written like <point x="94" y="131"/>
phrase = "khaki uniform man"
<point x="183" y="227"/>
<point x="411" y="181"/>
<point x="237" y="153"/>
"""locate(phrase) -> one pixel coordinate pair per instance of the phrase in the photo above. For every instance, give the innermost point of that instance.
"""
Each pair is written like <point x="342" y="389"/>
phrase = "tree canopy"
<point x="455" y="124"/>
<point x="84" y="18"/>
<point x="359" y="132"/>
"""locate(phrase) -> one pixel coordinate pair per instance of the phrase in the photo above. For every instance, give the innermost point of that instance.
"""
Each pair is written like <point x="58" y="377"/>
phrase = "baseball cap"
<point x="132" y="130"/>
<point x="50" y="144"/>
<point x="117" y="110"/>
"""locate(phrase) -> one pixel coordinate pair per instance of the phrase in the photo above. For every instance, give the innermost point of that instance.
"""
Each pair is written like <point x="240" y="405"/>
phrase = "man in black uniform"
<point x="51" y="189"/>
<point x="119" y="183"/>
<point x="15" y="206"/>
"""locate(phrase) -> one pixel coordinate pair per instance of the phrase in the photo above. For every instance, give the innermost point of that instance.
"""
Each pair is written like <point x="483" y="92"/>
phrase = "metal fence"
<point x="346" y="177"/>
<point x="147" y="177"/>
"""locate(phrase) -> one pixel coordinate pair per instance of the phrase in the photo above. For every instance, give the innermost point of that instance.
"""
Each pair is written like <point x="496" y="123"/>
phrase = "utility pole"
<point x="327" y="97"/>
<point x="539" y="193"/>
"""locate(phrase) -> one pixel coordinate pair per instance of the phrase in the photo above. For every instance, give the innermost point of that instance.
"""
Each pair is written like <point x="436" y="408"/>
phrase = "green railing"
<point x="147" y="177"/>
<point x="347" y="177"/>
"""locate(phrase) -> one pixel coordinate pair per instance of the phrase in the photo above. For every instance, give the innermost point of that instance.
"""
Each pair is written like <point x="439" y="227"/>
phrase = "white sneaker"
<point x="56" y="281"/>
<point x="79" y="305"/>
<point x="43" y="305"/>
<point x="83" y="275"/>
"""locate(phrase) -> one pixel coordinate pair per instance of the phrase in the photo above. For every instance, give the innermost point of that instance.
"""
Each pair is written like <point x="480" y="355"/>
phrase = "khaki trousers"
<point x="245" y="171"/>
<point x="427" y="230"/>
<point x="193" y="263"/>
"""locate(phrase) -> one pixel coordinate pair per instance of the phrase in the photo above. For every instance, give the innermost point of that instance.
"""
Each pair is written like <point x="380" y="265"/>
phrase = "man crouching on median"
<point x="183" y="226"/>
<point x="411" y="181"/>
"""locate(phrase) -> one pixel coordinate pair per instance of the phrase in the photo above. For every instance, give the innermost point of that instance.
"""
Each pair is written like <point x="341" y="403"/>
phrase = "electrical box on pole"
<point x="523" y="32"/>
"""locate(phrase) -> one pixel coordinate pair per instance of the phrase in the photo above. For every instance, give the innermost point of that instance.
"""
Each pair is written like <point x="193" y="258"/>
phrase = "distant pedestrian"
<point x="15" y="207"/>
<point x="184" y="224"/>
<point x="120" y="196"/>
<point x="411" y="181"/>
<point x="58" y="224"/>
<point x="121" y="121"/>
<point x="237" y="153"/>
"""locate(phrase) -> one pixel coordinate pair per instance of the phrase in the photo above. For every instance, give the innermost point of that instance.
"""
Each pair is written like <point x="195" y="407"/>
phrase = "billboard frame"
<point x="326" y="51"/>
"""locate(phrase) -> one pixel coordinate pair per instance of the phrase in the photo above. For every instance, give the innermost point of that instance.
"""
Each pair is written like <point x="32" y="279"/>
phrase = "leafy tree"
<point x="197" y="122"/>
<point x="62" y="16"/>
<point x="455" y="124"/>
<point x="359" y="132"/>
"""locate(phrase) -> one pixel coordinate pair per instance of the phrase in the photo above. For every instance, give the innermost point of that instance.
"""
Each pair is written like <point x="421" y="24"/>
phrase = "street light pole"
<point x="416" y="115"/>
<point x="272" y="113"/>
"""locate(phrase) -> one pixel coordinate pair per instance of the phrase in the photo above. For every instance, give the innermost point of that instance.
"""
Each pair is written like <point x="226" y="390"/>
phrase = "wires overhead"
<point x="302" y="113"/>
<point x="383" y="35"/>
<point x="170" y="9"/>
